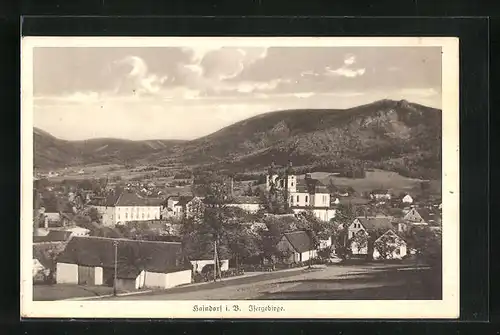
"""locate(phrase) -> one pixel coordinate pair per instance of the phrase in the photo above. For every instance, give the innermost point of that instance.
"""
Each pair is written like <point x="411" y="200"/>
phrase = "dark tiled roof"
<point x="310" y="185"/>
<point x="53" y="236"/>
<point x="380" y="191"/>
<point x="133" y="199"/>
<point x="427" y="215"/>
<point x="310" y="207"/>
<point x="126" y="199"/>
<point x="299" y="240"/>
<point x="184" y="200"/>
<point x="133" y="255"/>
<point x="376" y="222"/>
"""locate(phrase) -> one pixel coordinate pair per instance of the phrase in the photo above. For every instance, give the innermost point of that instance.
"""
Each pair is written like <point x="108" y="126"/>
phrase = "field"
<point x="376" y="179"/>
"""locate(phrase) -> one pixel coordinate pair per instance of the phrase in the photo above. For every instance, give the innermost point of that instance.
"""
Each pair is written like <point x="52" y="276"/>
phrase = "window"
<point x="307" y="198"/>
<point x="297" y="198"/>
<point x="291" y="183"/>
<point x="126" y="215"/>
<point x="118" y="216"/>
<point x="143" y="215"/>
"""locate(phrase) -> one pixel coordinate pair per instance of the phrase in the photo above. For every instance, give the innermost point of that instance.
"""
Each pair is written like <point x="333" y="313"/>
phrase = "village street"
<point x="332" y="282"/>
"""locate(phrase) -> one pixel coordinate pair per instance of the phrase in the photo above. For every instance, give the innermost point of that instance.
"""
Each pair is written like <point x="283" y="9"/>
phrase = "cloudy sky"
<point x="184" y="93"/>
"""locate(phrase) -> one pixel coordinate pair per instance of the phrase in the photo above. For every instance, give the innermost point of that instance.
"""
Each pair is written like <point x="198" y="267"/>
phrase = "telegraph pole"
<point x="215" y="260"/>
<point x="115" y="244"/>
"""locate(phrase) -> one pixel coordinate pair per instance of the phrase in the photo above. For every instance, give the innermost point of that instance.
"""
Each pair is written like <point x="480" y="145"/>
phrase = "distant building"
<point x="90" y="261"/>
<point x="421" y="216"/>
<point x="380" y="195"/>
<point x="126" y="207"/>
<point x="246" y="203"/>
<point x="303" y="194"/>
<point x="180" y="206"/>
<point x="407" y="199"/>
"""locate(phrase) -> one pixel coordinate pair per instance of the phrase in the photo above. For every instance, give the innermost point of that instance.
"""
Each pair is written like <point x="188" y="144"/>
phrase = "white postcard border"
<point x="448" y="307"/>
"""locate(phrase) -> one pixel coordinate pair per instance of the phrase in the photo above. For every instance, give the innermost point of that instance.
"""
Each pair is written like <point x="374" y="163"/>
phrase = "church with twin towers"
<point x="304" y="194"/>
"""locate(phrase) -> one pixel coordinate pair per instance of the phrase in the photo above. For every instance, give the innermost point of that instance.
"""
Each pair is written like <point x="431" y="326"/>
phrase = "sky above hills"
<point x="185" y="93"/>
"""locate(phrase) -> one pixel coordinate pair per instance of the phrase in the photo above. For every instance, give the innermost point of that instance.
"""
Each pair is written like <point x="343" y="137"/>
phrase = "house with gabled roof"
<point x="420" y="216"/>
<point x="117" y="209"/>
<point x="180" y="206"/>
<point x="91" y="261"/>
<point x="298" y="244"/>
<point x="365" y="233"/>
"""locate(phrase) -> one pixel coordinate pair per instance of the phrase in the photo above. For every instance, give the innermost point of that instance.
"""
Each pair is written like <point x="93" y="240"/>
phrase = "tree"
<point x="242" y="243"/>
<point x="386" y="245"/>
<point x="325" y="253"/>
<point x="426" y="243"/>
<point x="249" y="191"/>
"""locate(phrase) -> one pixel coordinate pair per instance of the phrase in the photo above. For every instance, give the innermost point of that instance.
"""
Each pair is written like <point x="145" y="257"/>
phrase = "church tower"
<point x="291" y="179"/>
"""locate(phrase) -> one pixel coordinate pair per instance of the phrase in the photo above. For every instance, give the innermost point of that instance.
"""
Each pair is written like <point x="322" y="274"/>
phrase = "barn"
<point x="153" y="264"/>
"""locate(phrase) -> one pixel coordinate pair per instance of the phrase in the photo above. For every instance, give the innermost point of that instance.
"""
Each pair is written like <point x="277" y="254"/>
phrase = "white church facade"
<point x="304" y="194"/>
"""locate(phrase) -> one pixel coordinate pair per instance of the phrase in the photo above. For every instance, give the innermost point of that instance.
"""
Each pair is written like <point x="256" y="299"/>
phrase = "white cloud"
<point x="309" y="73"/>
<point x="139" y="80"/>
<point x="253" y="86"/>
<point x="349" y="60"/>
<point x="344" y="72"/>
<point x="304" y="95"/>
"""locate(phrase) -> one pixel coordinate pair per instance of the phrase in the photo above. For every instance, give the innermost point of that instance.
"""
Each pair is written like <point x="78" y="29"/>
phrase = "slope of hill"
<point x="51" y="152"/>
<point x="394" y="135"/>
<point x="386" y="134"/>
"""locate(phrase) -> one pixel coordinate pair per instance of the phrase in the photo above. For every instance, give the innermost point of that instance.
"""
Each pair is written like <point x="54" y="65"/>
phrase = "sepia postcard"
<point x="224" y="177"/>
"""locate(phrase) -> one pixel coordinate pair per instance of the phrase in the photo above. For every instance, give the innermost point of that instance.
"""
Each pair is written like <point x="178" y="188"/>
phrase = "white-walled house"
<point x="407" y="199"/>
<point x="380" y="227"/>
<point x="299" y="245"/>
<point x="420" y="216"/>
<point x="90" y="261"/>
<point x="380" y="195"/>
<point x="198" y="265"/>
<point x="246" y="203"/>
<point x="128" y="206"/>
<point x="180" y="206"/>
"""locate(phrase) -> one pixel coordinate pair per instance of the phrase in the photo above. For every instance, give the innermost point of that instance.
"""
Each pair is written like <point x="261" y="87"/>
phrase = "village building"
<point x="198" y="265"/>
<point x="407" y="199"/>
<point x="53" y="236"/>
<point x="380" y="195"/>
<point x="152" y="264"/>
<point x="126" y="207"/>
<point x="180" y="206"/>
<point x="420" y="216"/>
<point x="305" y="194"/>
<point x="383" y="228"/>
<point x="299" y="245"/>
<point x="247" y="203"/>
